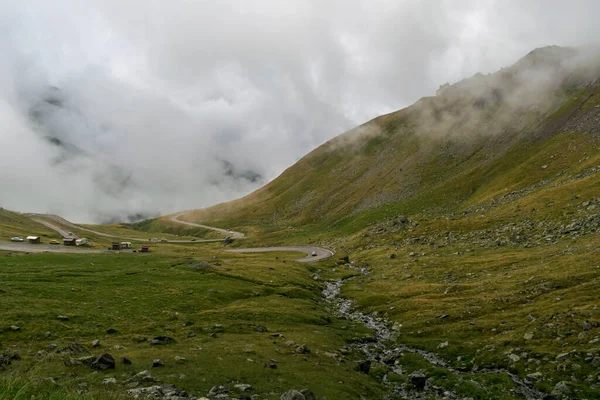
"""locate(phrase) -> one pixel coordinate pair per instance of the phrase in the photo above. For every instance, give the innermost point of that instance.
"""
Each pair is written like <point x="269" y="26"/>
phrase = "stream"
<point x="383" y="350"/>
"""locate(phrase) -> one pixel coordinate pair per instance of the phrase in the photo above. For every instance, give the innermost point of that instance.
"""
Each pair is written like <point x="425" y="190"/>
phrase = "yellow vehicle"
<point x="54" y="241"/>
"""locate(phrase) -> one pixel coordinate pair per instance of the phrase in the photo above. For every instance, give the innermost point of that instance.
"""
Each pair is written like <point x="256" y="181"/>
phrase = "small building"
<point x="34" y="239"/>
<point x="69" y="241"/>
<point x="145" y="249"/>
<point x="81" y="242"/>
<point x="116" y="246"/>
<point x="125" y="245"/>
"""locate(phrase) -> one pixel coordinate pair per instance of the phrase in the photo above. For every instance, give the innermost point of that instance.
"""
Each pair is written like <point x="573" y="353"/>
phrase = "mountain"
<point x="473" y="142"/>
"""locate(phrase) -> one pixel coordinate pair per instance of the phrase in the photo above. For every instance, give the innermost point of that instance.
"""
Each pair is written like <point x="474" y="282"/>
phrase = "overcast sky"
<point x="161" y="106"/>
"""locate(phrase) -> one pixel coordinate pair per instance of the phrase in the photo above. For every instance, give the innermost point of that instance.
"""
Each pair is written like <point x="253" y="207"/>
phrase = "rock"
<point x="587" y="326"/>
<point x="157" y="363"/>
<point x="217" y="390"/>
<point x="108" y="381"/>
<point x="104" y="362"/>
<point x="418" y="380"/>
<point x="302" y="349"/>
<point x="139" y="339"/>
<point x="125" y="361"/>
<point x="562" y="356"/>
<point x="96" y="343"/>
<point x="179" y="358"/>
<point x="242" y="387"/>
<point x="308" y="394"/>
<point x="363" y="366"/>
<point x="513" y="357"/>
<point x="166" y="392"/>
<point x="535" y="376"/>
<point x="47" y="334"/>
<point x="161" y="340"/>
<point x="62" y="318"/>
<point x="561" y="389"/>
<point x="73" y="348"/>
<point x="271" y="365"/>
<point x="261" y="329"/>
<point x="528" y="336"/>
<point x="443" y="345"/>
<point x="396" y="326"/>
<point x="141" y="377"/>
<point x="111" y="331"/>
<point x="15" y="328"/>
<point x="291" y="343"/>
<point x="292" y="395"/>
<point x="87" y="361"/>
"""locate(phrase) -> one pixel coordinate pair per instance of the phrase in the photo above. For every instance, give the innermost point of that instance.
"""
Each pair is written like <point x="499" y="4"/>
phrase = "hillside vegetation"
<point x="476" y="140"/>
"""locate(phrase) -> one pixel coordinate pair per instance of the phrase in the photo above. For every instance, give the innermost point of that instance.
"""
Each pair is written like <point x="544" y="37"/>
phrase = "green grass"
<point x="15" y="224"/>
<point x="149" y="295"/>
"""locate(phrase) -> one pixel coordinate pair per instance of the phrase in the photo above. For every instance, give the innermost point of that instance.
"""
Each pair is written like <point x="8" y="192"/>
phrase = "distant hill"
<point x="473" y="142"/>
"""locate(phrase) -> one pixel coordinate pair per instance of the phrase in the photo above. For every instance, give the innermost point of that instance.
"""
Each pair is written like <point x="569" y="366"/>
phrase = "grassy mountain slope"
<point x="475" y="140"/>
<point x="15" y="224"/>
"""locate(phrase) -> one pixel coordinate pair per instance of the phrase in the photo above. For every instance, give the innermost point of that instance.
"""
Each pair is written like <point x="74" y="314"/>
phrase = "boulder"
<point x="104" y="362"/>
<point x="86" y="361"/>
<point x="363" y="366"/>
<point x="292" y="395"/>
<point x="216" y="391"/>
<point x="157" y="363"/>
<point x="141" y="377"/>
<point x="308" y="394"/>
<point x="302" y="349"/>
<point x="125" y="361"/>
<point x="96" y="343"/>
<point x="242" y="387"/>
<point x="161" y="340"/>
<point x="418" y="380"/>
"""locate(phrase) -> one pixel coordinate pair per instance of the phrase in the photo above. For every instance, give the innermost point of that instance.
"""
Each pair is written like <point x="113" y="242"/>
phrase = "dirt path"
<point x="319" y="253"/>
<point x="46" y="248"/>
<point x="226" y="232"/>
<point x="42" y="219"/>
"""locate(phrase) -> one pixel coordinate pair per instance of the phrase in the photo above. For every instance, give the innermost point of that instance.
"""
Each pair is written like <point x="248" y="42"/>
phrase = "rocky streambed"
<point x="383" y="350"/>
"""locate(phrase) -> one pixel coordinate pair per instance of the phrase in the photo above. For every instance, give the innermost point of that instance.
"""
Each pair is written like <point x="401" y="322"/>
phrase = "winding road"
<point x="58" y="223"/>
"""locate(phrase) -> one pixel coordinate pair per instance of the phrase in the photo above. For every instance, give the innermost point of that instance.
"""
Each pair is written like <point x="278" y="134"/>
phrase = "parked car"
<point x="193" y="240"/>
<point x="54" y="241"/>
<point x="16" y="239"/>
<point x="163" y="240"/>
<point x="314" y="254"/>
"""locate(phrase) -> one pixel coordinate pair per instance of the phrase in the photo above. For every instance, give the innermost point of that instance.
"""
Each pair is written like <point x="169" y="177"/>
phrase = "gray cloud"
<point x="116" y="108"/>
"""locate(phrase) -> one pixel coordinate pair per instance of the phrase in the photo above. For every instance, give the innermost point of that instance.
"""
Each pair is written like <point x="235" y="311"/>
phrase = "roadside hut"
<point x="69" y="241"/>
<point x="116" y="246"/>
<point x="125" y="245"/>
<point x="145" y="249"/>
<point x="34" y="239"/>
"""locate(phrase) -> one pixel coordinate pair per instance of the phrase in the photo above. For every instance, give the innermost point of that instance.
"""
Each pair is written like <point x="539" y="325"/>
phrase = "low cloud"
<point x="115" y="110"/>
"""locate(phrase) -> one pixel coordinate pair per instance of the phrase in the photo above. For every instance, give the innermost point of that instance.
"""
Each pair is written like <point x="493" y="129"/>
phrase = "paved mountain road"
<point x="321" y="254"/>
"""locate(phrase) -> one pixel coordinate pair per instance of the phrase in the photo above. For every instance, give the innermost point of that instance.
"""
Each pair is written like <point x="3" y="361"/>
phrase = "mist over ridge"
<point x="116" y="111"/>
